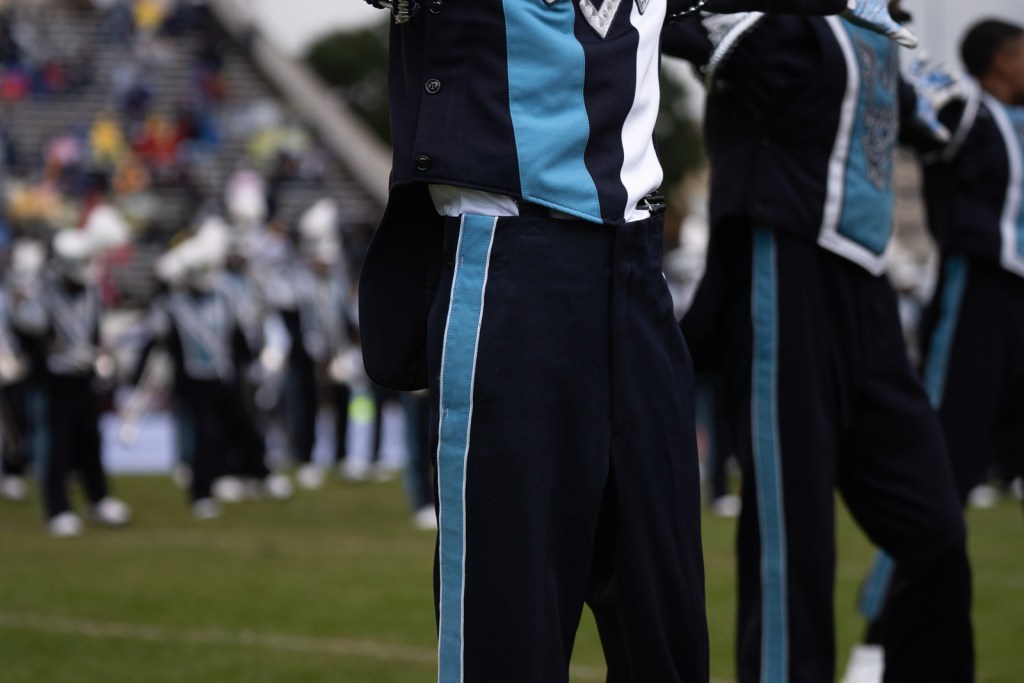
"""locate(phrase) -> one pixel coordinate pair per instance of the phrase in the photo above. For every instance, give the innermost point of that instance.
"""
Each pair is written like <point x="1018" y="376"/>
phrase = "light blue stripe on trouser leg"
<point x="876" y="587"/>
<point x="767" y="464"/>
<point x="458" y="365"/>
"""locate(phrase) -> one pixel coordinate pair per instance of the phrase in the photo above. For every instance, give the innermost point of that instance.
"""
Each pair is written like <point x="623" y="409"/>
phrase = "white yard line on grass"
<point x="279" y="642"/>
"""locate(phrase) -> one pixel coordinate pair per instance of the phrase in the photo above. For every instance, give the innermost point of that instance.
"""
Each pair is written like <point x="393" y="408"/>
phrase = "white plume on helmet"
<point x="74" y="255"/>
<point x="246" y="198"/>
<point x="27" y="258"/>
<point x="170" y="266"/>
<point x="320" y="220"/>
<point x="106" y="228"/>
<point x="318" y="232"/>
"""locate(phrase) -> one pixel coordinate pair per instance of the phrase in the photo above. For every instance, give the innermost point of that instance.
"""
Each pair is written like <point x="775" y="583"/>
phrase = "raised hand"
<point x="935" y="85"/>
<point x="874" y="15"/>
<point x="402" y="10"/>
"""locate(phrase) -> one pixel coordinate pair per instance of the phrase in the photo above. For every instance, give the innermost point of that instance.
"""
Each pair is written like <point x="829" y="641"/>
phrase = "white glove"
<point x="935" y="85"/>
<point x="938" y="83"/>
<point x="874" y="15"/>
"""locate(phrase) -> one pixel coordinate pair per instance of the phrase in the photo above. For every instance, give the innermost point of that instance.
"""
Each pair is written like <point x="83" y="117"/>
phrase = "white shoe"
<point x="310" y="477"/>
<point x="867" y="664"/>
<point x="727" y="506"/>
<point x="14" y="489"/>
<point x="278" y="486"/>
<point x="425" y="518"/>
<point x="229" y="490"/>
<point x="983" y="497"/>
<point x="384" y="473"/>
<point x="111" y="512"/>
<point x="182" y="476"/>
<point x="65" y="525"/>
<point x="353" y="471"/>
<point x="206" y="508"/>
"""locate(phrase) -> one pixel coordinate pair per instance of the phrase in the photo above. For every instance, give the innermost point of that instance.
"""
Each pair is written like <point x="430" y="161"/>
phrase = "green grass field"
<point x="335" y="585"/>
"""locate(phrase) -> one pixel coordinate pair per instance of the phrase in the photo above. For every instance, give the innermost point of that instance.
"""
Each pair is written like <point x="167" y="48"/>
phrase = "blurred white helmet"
<point x="202" y="256"/>
<point x="212" y="241"/>
<point x="320" y="220"/>
<point x="327" y="252"/>
<point x="73" y="255"/>
<point x="106" y="228"/>
<point x="27" y="258"/>
<point x="246" y="198"/>
<point x="170" y="267"/>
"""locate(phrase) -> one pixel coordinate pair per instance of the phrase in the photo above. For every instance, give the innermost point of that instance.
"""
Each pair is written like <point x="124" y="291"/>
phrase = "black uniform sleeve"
<point x="780" y="53"/>
<point x="913" y="132"/>
<point x="687" y="40"/>
<point x="940" y="180"/>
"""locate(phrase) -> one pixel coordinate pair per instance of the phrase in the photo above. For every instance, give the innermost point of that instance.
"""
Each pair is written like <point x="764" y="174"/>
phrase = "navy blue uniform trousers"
<point x="821" y="396"/>
<point x="565" y="454"/>
<point x="973" y="344"/>
<point x="67" y="439"/>
<point x="972" y="334"/>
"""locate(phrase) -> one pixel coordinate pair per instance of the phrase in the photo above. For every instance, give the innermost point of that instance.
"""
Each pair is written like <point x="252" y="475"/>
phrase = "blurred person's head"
<point x="993" y="52"/>
<point x="897" y="12"/>
<point x="73" y="257"/>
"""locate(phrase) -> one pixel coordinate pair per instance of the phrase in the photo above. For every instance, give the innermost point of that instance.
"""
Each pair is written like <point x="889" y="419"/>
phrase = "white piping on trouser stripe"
<point x="1009" y="256"/>
<point x="829" y="236"/>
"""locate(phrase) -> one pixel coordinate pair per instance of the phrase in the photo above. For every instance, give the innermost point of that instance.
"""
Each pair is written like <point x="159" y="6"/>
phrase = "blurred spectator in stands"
<point x="54" y="78"/>
<point x="149" y="17"/>
<point x="107" y="141"/>
<point x="185" y="16"/>
<point x="130" y="177"/>
<point x="209" y="66"/>
<point x="10" y="51"/>
<point x="157" y="144"/>
<point x="136" y="99"/>
<point x="64" y="160"/>
<point x="15" y="84"/>
<point x="197" y="127"/>
<point x="39" y="203"/>
<point x="8" y="152"/>
<point x="117" y="24"/>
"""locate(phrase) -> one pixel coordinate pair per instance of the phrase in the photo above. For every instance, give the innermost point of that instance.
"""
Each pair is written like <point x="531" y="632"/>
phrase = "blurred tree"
<point x="355" y="64"/>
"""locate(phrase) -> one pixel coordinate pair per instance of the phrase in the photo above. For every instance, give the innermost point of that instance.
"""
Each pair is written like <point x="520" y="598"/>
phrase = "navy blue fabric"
<point x="982" y="404"/>
<point x="965" y="195"/>
<point x="454" y="115"/>
<point x="579" y="469"/>
<point x="774" y="115"/>
<point x="464" y="125"/>
<point x="851" y="415"/>
<point x="72" y="442"/>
